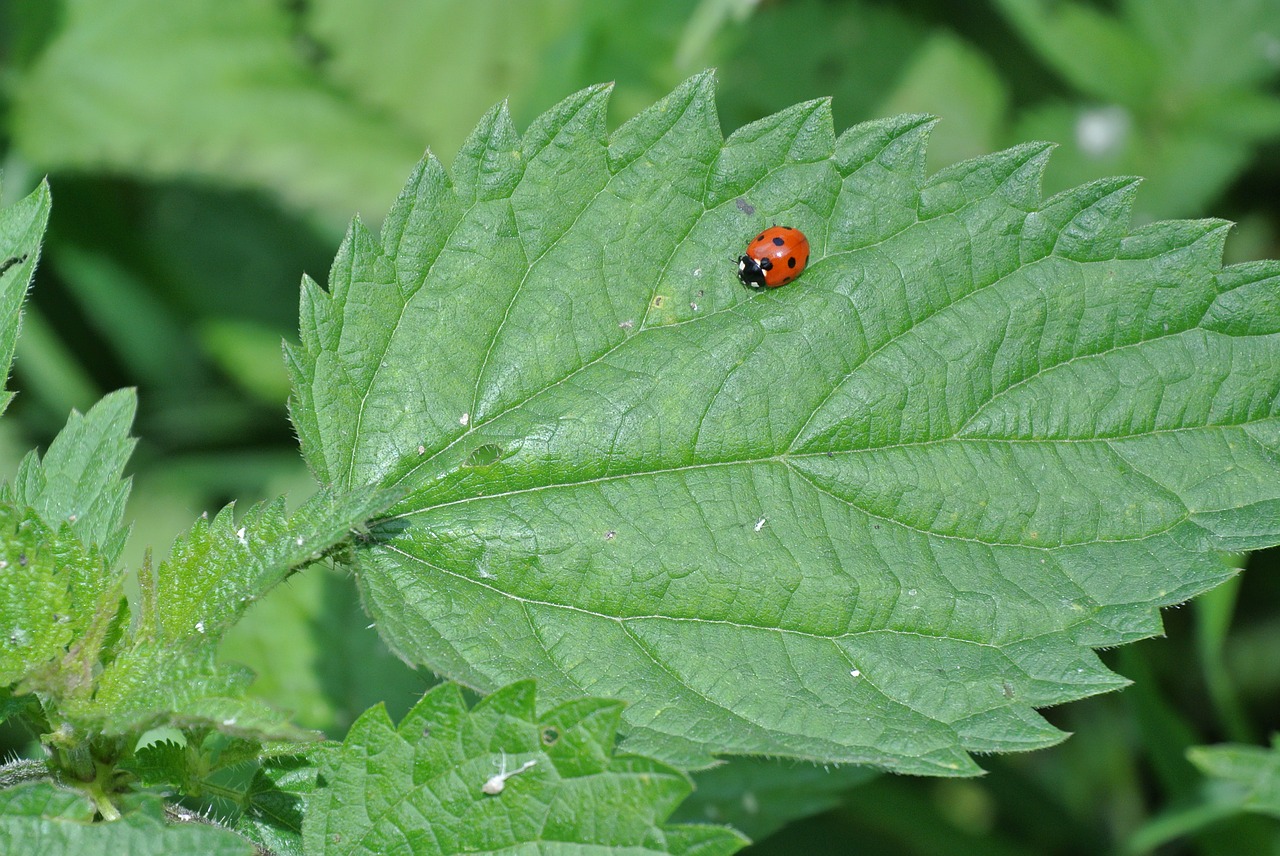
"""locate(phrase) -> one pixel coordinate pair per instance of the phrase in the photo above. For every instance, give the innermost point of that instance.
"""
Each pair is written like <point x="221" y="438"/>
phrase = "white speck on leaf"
<point x="760" y="523"/>
<point x="465" y="419"/>
<point x="496" y="784"/>
<point x="627" y="325"/>
<point x="855" y="673"/>
<point x="200" y="627"/>
<point x="240" y="536"/>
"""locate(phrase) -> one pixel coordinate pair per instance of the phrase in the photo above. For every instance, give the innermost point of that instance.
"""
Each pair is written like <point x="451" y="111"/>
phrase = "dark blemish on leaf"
<point x="1008" y="690"/>
<point x="550" y="736"/>
<point x="744" y="206"/>
<point x="658" y="301"/>
<point x="22" y="559"/>
<point x="610" y="535"/>
<point x="426" y="732"/>
<point x="11" y="262"/>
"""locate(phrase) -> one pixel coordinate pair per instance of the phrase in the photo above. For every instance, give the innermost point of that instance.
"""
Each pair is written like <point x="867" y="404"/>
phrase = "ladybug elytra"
<point x="776" y="256"/>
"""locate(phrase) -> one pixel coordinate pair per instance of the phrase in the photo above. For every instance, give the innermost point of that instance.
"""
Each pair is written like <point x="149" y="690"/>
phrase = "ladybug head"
<point x="751" y="271"/>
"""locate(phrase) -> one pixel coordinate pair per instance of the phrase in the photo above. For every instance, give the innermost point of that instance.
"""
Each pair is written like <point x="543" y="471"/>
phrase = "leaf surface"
<point x="427" y="785"/>
<point x="43" y="819"/>
<point x="878" y="516"/>
<point x="78" y="480"/>
<point x="21" y="232"/>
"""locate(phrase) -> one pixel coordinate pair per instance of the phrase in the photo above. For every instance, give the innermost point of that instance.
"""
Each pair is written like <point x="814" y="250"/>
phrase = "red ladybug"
<point x="776" y="256"/>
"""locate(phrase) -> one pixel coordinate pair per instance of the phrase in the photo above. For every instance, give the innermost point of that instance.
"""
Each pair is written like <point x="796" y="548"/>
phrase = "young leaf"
<point x="21" y="230"/>
<point x="498" y="777"/>
<point x="78" y="481"/>
<point x="41" y="818"/>
<point x="877" y="516"/>
<point x="168" y="673"/>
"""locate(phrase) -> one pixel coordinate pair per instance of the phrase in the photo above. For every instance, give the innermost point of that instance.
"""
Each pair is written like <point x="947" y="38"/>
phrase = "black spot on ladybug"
<point x="766" y="264"/>
<point x="778" y="242"/>
<point x="760" y="237"/>
<point x="791" y="262"/>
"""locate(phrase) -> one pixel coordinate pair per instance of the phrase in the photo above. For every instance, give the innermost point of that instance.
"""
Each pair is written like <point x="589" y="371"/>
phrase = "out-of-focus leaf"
<point x="215" y="89"/>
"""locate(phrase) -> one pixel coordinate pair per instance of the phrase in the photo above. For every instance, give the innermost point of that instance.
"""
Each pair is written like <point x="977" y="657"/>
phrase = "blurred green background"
<point x="204" y="154"/>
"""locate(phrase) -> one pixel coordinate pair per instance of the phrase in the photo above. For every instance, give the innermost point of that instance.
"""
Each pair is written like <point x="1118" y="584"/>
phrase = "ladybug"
<point x="776" y="256"/>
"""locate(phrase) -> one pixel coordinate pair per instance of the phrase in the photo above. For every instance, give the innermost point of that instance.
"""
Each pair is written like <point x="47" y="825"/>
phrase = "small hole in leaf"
<point x="550" y="736"/>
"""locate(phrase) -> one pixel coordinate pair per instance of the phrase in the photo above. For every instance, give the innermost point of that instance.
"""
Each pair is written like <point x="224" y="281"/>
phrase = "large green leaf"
<point x="878" y="516"/>
<point x="500" y="777"/>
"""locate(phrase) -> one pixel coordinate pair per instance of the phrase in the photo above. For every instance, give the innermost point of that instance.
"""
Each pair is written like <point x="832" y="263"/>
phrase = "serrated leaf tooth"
<point x="420" y="222"/>
<point x="489" y="164"/>
<point x="520" y="696"/>
<point x="757" y="153"/>
<point x="1249" y="300"/>
<point x="1013" y="174"/>
<point x="897" y="143"/>
<point x="1179" y="246"/>
<point x="883" y="164"/>
<point x="1084" y="223"/>
<point x="566" y="165"/>
<point x="580" y="118"/>
<point x="642" y="131"/>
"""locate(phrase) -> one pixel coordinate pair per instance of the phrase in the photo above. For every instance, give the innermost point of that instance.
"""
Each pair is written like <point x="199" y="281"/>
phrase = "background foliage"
<point x="202" y="160"/>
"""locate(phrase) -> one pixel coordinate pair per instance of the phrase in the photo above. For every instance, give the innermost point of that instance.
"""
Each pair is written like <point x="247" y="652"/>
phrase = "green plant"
<point x="876" y="517"/>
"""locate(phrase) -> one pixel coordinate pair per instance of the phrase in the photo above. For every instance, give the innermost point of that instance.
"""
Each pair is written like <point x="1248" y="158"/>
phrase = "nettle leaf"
<point x="1247" y="776"/>
<point x="445" y="780"/>
<point x="78" y="481"/>
<point x="168" y="672"/>
<point x="22" y="228"/>
<point x="41" y="818"/>
<point x="877" y="516"/>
